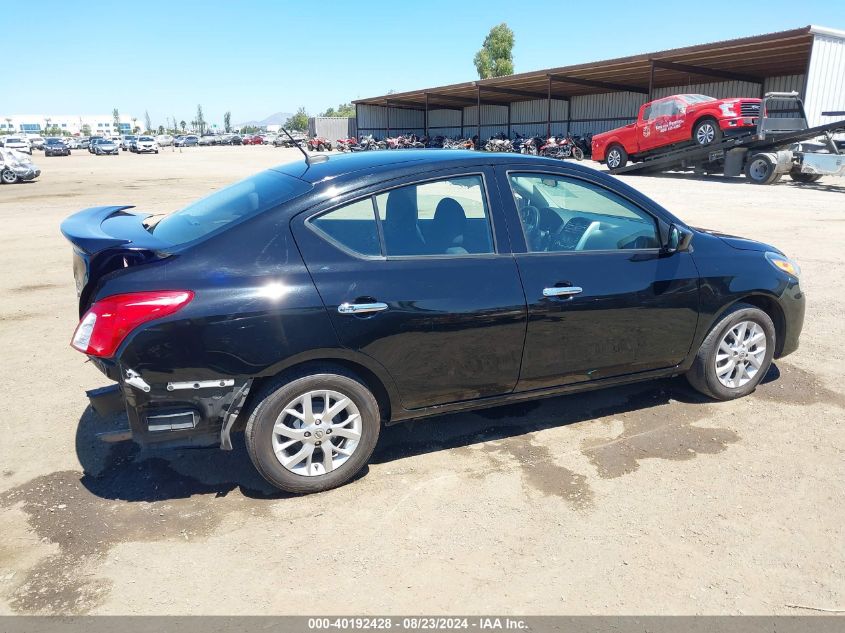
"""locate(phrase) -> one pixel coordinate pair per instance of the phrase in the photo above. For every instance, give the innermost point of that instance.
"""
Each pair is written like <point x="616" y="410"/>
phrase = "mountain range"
<point x="274" y="119"/>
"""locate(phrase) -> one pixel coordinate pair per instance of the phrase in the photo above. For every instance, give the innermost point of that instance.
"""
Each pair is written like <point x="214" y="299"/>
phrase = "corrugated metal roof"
<point x="744" y="59"/>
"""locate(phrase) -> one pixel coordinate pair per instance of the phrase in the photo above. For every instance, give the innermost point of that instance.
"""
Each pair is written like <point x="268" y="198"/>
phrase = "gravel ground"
<point x="634" y="500"/>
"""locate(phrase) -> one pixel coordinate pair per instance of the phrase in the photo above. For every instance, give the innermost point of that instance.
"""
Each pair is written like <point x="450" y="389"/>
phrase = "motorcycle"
<point x="347" y="144"/>
<point x="561" y="147"/>
<point x="499" y="143"/>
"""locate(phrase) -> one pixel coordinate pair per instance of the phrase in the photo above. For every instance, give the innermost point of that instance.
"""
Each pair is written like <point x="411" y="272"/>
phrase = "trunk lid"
<point x="106" y="239"/>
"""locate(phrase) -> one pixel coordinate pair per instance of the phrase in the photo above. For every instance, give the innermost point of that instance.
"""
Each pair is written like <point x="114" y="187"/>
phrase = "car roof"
<point x="383" y="162"/>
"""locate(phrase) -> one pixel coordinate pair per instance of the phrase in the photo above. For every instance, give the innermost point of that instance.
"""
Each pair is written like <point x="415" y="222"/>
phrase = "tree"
<point x="200" y="123"/>
<point x="495" y="59"/>
<point x="86" y="130"/>
<point x="182" y="124"/>
<point x="227" y="121"/>
<point x="147" y="121"/>
<point x="343" y="110"/>
<point x="116" y="116"/>
<point x="161" y="129"/>
<point x="298" y="121"/>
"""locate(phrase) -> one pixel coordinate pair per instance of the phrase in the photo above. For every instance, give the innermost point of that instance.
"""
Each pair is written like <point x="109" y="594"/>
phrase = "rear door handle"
<point x="564" y="291"/>
<point x="361" y="308"/>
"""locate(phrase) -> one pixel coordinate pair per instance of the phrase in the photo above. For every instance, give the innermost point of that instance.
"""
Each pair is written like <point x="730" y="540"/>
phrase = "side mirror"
<point x="677" y="240"/>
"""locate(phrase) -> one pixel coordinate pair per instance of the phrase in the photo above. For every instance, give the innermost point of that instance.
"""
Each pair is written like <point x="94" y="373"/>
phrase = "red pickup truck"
<point x="675" y="120"/>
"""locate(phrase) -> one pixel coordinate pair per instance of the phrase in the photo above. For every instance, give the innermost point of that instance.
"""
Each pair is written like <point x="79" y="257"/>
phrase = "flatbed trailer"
<point x="778" y="146"/>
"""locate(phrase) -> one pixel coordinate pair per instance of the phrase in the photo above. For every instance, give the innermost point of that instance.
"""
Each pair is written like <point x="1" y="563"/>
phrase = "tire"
<point x="703" y="374"/>
<point x="276" y="397"/>
<point x="578" y="153"/>
<point x="799" y="176"/>
<point x="616" y="157"/>
<point x="760" y="170"/>
<point x="8" y="177"/>
<point x="707" y="132"/>
<point x="321" y="147"/>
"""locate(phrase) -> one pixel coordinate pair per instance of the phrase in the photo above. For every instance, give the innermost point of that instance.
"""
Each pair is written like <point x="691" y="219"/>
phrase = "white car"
<point x="15" y="167"/>
<point x="18" y="143"/>
<point x="164" y="140"/>
<point x="35" y="141"/>
<point x="145" y="144"/>
<point x="72" y="142"/>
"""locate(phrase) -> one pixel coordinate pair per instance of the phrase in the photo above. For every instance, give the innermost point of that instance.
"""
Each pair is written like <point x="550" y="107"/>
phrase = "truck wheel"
<point x="616" y="157"/>
<point x="760" y="170"/>
<point x="707" y="132"/>
<point x="799" y="176"/>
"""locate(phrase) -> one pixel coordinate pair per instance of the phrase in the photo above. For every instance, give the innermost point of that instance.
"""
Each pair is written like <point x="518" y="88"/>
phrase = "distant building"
<point x="99" y="124"/>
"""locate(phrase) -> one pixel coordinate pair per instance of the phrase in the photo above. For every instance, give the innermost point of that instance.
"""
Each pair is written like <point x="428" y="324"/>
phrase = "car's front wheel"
<point x="707" y="132"/>
<point x="616" y="157"/>
<point x="736" y="354"/>
<point x="8" y="176"/>
<point x="314" y="432"/>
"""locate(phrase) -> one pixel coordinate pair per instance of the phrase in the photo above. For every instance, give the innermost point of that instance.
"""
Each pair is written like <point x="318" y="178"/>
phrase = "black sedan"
<point x="313" y="303"/>
<point x="56" y="147"/>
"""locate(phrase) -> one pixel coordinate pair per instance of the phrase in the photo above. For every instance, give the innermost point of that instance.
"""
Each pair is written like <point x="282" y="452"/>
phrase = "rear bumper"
<point x="177" y="413"/>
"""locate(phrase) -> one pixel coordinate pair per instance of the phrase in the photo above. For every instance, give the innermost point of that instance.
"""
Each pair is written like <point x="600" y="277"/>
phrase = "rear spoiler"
<point x="101" y="228"/>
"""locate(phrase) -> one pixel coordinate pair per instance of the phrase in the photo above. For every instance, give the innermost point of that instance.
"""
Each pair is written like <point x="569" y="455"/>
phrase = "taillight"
<point x="110" y="320"/>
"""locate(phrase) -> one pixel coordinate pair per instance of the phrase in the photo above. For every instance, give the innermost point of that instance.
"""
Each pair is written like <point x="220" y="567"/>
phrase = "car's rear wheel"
<point x="736" y="354"/>
<point x="313" y="433"/>
<point x="616" y="157"/>
<point x="707" y="132"/>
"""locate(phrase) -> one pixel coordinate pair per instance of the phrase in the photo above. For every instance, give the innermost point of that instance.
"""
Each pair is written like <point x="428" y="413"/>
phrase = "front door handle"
<point x="563" y="291"/>
<point x="361" y="308"/>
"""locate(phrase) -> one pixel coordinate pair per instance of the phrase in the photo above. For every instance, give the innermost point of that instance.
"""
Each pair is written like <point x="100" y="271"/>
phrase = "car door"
<point x="675" y="121"/>
<point x="417" y="275"/>
<point x="603" y="298"/>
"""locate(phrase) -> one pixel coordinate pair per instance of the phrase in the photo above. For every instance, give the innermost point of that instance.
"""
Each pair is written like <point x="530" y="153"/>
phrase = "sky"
<point x="255" y="57"/>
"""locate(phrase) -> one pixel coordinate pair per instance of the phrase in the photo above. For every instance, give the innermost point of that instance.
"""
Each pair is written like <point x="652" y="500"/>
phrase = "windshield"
<point x="145" y="138"/>
<point x="697" y="98"/>
<point x="13" y="140"/>
<point x="237" y="202"/>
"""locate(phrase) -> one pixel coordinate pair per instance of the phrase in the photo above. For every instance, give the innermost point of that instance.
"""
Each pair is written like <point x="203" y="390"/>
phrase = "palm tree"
<point x="182" y="124"/>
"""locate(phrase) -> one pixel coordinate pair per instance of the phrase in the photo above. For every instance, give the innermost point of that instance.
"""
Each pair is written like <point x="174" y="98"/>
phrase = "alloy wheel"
<point x="613" y="158"/>
<point x="317" y="433"/>
<point x="740" y="354"/>
<point x="705" y="134"/>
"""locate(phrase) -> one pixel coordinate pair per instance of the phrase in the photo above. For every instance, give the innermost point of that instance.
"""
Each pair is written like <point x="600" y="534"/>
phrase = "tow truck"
<point x="778" y="145"/>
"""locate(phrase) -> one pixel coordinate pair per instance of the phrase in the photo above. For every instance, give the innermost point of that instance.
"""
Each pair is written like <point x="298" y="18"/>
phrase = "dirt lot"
<point x="633" y="500"/>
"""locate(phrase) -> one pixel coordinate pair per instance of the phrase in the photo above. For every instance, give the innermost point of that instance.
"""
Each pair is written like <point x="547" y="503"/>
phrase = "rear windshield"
<point x="237" y="202"/>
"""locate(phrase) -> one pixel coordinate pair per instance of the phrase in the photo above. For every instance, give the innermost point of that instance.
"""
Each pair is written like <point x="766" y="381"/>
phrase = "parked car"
<point x="84" y="142"/>
<point x="56" y="147"/>
<point x="16" y="166"/>
<point x="144" y="145"/>
<point x="127" y="141"/>
<point x="164" y="140"/>
<point x="35" y="141"/>
<point x="72" y="142"/>
<point x="675" y="120"/>
<point x="187" y="141"/>
<point x="231" y="139"/>
<point x="209" y="139"/>
<point x="252" y="139"/>
<point x="367" y="289"/>
<point x="18" y="143"/>
<point x="102" y="146"/>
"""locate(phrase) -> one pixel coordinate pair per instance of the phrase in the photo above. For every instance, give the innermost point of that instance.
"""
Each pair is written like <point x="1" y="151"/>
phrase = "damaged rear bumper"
<point x="178" y="413"/>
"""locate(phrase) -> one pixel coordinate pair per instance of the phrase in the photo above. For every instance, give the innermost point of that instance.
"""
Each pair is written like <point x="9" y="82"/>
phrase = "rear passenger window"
<point x="353" y="227"/>
<point x="444" y="217"/>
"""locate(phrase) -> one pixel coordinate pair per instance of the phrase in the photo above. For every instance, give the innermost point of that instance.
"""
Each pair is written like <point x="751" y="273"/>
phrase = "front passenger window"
<point x="560" y="214"/>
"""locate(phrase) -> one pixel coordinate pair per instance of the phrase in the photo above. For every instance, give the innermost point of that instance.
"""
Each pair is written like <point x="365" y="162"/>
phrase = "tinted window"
<point x="236" y="202"/>
<point x="561" y="214"/>
<point x="353" y="227"/>
<point x="444" y="217"/>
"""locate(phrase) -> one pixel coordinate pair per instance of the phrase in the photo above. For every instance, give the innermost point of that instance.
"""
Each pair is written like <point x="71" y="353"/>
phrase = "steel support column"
<point x="426" y="115"/>
<point x="478" y="115"/>
<point x="651" y="81"/>
<point x="549" y="107"/>
<point x="387" y="101"/>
